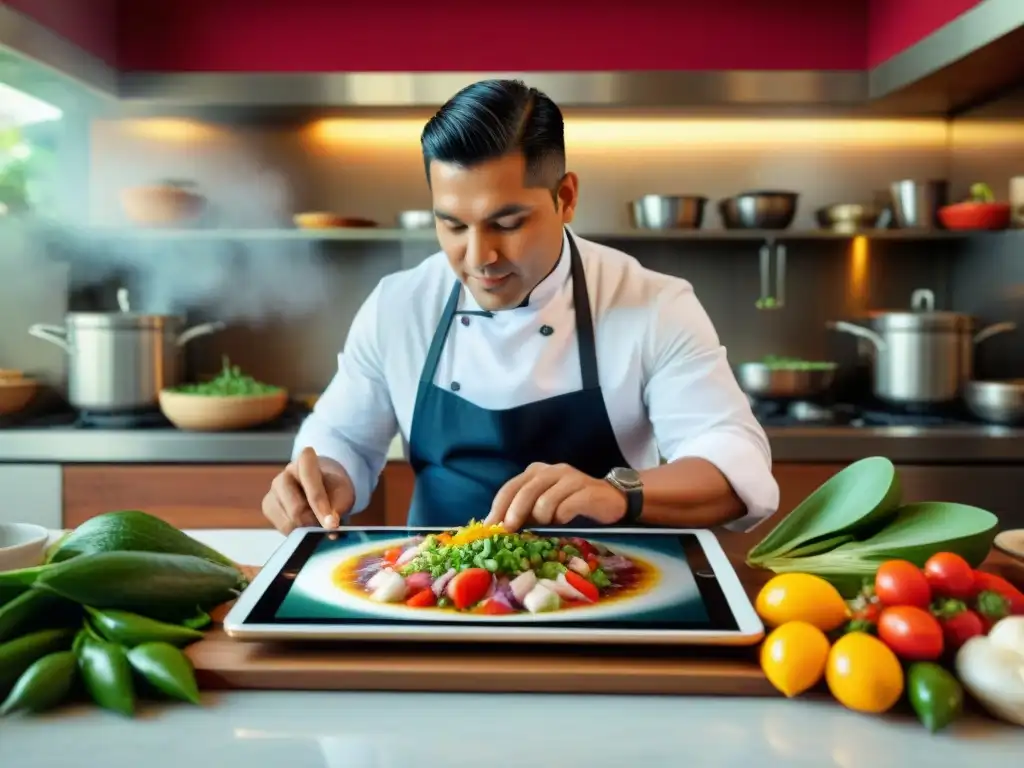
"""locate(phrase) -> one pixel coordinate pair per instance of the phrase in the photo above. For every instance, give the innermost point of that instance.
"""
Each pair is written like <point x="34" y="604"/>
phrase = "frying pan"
<point x="785" y="380"/>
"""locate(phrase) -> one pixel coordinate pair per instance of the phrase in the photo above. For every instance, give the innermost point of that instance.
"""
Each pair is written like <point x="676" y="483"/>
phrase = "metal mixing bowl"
<point x="759" y="210"/>
<point x="997" y="402"/>
<point x="848" y="217"/>
<point x="769" y="382"/>
<point x="415" y="220"/>
<point x="667" y="211"/>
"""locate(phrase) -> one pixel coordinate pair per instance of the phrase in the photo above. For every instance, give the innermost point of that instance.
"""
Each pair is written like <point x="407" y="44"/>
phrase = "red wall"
<point x="530" y="35"/>
<point x="89" y="24"/>
<point x="895" y="25"/>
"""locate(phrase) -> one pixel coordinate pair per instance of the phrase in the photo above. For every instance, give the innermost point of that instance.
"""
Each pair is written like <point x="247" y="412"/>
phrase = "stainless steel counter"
<point x="904" y="445"/>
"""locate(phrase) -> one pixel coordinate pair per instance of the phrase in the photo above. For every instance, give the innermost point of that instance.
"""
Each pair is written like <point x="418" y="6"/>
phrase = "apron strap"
<point x="584" y="325"/>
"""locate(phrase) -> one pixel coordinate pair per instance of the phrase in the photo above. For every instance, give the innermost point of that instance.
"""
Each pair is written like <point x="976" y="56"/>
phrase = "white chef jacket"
<point x="667" y="384"/>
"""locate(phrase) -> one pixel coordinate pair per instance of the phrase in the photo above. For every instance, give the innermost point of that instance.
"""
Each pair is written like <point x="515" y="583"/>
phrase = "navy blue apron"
<point x="463" y="454"/>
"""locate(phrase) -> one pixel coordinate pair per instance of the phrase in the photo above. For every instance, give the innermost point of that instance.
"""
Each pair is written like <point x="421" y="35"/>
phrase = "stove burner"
<point x="873" y="418"/>
<point x="126" y="420"/>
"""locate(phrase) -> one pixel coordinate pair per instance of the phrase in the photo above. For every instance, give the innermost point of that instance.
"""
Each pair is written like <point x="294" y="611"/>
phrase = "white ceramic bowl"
<point x="22" y="545"/>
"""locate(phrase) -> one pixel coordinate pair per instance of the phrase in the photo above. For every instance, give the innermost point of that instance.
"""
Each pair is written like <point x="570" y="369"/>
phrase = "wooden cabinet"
<point x="207" y="495"/>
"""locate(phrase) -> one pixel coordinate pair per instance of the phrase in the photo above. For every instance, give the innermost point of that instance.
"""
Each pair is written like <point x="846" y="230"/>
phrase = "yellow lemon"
<point x="801" y="597"/>
<point x="863" y="674"/>
<point x="793" y="657"/>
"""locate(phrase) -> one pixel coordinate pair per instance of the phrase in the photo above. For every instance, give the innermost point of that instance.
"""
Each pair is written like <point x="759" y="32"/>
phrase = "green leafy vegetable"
<point x="230" y="382"/>
<point x="855" y="499"/>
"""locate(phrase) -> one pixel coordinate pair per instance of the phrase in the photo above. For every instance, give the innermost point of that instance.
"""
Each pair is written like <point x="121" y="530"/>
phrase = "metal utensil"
<point x="759" y="210"/>
<point x="765" y="381"/>
<point x="922" y="357"/>
<point x="848" y="217"/>
<point x="415" y="220"/>
<point x="667" y="212"/>
<point x="769" y="300"/>
<point x="916" y="204"/>
<point x="997" y="402"/>
<point x="119" y="361"/>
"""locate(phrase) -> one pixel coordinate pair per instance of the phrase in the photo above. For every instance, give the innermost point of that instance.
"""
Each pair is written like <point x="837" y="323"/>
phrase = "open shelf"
<point x="379" y="234"/>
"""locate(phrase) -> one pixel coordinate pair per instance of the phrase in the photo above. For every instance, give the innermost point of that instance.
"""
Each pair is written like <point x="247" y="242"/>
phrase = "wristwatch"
<point x="628" y="481"/>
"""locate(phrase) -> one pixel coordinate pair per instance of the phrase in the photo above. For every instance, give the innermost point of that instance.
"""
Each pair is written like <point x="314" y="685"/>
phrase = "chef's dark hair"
<point x="494" y="118"/>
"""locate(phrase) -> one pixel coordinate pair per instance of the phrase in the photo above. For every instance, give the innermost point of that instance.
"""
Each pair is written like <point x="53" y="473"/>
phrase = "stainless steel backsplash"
<point x="290" y="305"/>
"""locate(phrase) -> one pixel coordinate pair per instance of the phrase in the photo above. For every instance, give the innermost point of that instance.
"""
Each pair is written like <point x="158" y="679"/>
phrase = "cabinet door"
<point x="207" y="495"/>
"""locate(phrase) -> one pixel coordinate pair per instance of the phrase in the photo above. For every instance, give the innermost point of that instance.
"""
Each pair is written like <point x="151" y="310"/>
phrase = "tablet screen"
<point x="546" y="578"/>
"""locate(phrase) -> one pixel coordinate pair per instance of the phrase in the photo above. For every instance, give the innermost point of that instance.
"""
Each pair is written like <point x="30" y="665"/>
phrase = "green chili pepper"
<point x="36" y="609"/>
<point x="18" y="655"/>
<point x="167" y="669"/>
<point x="107" y="675"/>
<point x="130" y="629"/>
<point x="43" y="685"/>
<point x="935" y="695"/>
<point x="200" y="621"/>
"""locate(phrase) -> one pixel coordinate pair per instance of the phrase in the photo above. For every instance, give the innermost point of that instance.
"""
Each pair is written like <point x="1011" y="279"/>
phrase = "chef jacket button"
<point x="546" y="330"/>
<point x="465" y="320"/>
<point x="456" y="386"/>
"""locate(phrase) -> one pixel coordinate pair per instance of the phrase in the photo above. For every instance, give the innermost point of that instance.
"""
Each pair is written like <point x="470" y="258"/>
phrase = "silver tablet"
<point x="559" y="585"/>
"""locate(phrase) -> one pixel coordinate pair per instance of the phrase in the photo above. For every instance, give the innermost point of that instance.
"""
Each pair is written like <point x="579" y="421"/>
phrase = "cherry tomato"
<point x="950" y="575"/>
<point x="959" y="626"/>
<point x="494" y="607"/>
<point x="425" y="598"/>
<point x="899" y="582"/>
<point x="468" y="587"/>
<point x="911" y="633"/>
<point x="586" y="588"/>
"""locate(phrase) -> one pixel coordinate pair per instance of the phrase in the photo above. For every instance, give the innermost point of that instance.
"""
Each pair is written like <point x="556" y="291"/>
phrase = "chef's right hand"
<point x="312" y="490"/>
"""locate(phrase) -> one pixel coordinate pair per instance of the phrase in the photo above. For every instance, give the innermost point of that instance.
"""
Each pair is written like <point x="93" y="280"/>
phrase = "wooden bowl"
<point x="161" y="205"/>
<point x="212" y="413"/>
<point x="15" y="394"/>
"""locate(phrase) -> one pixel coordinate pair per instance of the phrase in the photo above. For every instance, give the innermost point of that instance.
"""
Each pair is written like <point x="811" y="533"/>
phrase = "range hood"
<point x="967" y="61"/>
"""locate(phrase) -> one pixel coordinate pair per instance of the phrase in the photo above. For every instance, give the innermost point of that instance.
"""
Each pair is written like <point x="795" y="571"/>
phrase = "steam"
<point x="239" y="263"/>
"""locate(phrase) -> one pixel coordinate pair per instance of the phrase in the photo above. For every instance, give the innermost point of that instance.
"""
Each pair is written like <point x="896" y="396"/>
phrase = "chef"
<point x="536" y="378"/>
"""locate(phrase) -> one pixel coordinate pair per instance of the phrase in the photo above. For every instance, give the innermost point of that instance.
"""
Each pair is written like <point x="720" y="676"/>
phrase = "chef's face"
<point x="502" y="237"/>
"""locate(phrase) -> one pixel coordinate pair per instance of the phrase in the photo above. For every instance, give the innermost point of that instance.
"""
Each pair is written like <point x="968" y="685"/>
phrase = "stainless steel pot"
<point x="119" y="361"/>
<point x="922" y="357"/>
<point x="774" y="381"/>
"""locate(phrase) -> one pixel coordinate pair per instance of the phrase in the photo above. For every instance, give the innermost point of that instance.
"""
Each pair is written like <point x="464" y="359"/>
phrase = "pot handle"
<point x="993" y="330"/>
<point x="200" y="330"/>
<point x="54" y="334"/>
<point x="857" y="330"/>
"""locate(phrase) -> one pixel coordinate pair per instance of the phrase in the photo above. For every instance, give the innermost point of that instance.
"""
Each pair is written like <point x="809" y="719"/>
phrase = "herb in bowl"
<point x="230" y="382"/>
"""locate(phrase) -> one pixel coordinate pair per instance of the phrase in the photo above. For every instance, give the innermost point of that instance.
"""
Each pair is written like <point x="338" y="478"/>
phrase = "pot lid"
<point x="124" y="318"/>
<point x="921" y="316"/>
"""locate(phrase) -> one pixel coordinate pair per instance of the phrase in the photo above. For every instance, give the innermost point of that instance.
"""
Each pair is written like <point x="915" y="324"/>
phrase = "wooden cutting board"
<point x="224" y="663"/>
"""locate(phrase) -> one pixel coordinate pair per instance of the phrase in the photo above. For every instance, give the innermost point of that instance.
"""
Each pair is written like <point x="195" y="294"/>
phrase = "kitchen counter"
<point x="972" y="444"/>
<point x="360" y="730"/>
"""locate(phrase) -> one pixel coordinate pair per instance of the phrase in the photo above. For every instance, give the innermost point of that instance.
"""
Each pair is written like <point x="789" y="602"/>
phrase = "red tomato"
<point x="468" y="587"/>
<point x="586" y="549"/>
<point x="950" y="575"/>
<point x="585" y="587"/>
<point x="960" y="627"/>
<point x="899" y="582"/>
<point x="392" y="555"/>
<point x="494" y="607"/>
<point x="911" y="633"/>
<point x="422" y="599"/>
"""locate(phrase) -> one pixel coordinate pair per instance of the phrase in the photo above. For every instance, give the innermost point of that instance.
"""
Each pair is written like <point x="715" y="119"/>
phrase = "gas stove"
<point x="803" y="413"/>
<point x="67" y="418"/>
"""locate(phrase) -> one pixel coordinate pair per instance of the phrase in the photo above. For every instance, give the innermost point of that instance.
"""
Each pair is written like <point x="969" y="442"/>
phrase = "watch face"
<point x="630" y="478"/>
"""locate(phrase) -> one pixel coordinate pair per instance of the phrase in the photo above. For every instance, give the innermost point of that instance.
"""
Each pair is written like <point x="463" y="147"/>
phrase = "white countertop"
<point x="397" y="730"/>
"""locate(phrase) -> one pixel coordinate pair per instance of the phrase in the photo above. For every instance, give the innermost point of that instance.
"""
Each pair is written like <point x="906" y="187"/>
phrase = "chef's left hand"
<point x="547" y="494"/>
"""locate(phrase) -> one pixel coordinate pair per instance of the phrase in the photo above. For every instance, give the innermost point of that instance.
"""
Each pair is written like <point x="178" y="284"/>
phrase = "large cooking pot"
<point x="119" y="361"/>
<point x="922" y="357"/>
